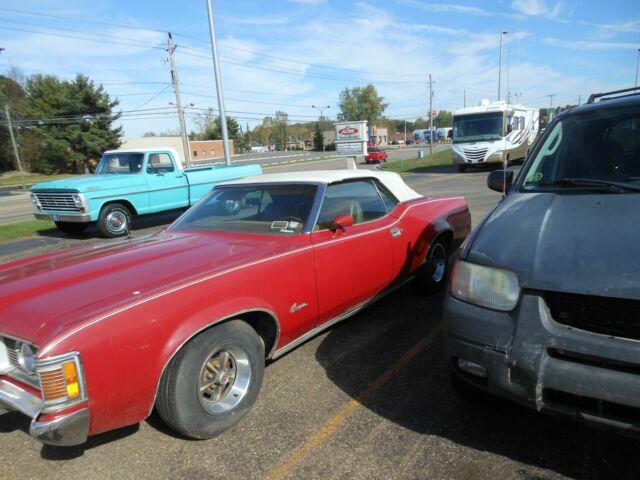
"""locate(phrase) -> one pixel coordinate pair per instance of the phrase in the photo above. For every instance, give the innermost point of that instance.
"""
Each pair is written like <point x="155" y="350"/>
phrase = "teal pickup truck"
<point x="128" y="183"/>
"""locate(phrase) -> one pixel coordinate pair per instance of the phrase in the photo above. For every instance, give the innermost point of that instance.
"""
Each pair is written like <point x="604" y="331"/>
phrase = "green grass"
<point x="418" y="165"/>
<point x="6" y="181"/>
<point x="29" y="228"/>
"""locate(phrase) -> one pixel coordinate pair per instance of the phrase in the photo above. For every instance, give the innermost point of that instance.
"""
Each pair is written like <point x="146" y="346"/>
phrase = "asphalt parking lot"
<point x="369" y="398"/>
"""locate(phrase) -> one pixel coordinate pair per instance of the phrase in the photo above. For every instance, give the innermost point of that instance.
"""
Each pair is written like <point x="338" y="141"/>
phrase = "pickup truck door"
<point x="168" y="186"/>
<point x="354" y="265"/>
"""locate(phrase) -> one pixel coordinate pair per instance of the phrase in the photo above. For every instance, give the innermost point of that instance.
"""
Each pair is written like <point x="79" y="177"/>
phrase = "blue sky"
<point x="291" y="54"/>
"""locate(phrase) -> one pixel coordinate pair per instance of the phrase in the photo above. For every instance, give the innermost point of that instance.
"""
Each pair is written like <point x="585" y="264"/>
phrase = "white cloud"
<point x="537" y="7"/>
<point x="445" y="7"/>
<point x="589" y="45"/>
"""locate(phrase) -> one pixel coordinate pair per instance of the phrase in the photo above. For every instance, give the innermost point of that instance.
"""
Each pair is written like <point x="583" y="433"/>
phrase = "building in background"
<point x="379" y="135"/>
<point x="200" y="150"/>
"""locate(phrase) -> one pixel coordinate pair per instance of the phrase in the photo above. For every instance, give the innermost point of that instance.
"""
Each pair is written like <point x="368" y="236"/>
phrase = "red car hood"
<point x="38" y="294"/>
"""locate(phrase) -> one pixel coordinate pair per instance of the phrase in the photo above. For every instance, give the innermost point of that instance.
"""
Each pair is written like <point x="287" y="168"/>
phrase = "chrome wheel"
<point x="116" y="221"/>
<point x="437" y="266"/>
<point x="224" y="379"/>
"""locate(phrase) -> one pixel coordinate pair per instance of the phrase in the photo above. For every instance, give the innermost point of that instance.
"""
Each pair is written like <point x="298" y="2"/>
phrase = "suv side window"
<point x="358" y="198"/>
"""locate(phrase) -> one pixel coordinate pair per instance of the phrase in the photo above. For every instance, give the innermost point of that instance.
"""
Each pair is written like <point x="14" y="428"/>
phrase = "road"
<point x="368" y="399"/>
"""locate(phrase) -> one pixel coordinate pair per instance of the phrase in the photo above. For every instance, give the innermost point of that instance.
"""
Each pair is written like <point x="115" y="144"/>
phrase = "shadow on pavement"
<point x="420" y="397"/>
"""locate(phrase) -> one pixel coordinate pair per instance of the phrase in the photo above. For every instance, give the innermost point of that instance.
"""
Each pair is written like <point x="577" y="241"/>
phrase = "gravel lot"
<point x="369" y="398"/>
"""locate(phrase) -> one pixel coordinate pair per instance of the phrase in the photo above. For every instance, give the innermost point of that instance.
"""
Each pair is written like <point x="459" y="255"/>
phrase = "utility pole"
<point x="216" y="69"/>
<point x="551" y="99"/>
<point x="637" y="65"/>
<point x="174" y="79"/>
<point x="430" y="116"/>
<point x="13" y="142"/>
<point x="508" y="70"/>
<point x="464" y="98"/>
<point x="502" y="34"/>
<point x="579" y="99"/>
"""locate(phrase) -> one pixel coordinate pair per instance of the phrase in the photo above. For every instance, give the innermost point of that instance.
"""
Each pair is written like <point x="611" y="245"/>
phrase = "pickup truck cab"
<point x="128" y="183"/>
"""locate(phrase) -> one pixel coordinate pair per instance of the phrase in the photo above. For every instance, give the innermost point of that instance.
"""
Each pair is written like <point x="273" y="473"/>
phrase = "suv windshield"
<point x="266" y="209"/>
<point x="480" y="127"/>
<point x="595" y="150"/>
<point x="120" y="163"/>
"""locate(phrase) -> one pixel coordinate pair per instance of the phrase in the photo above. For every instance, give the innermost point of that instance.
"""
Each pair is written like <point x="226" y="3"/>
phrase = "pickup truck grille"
<point x="475" y="155"/>
<point x="604" y="315"/>
<point x="57" y="201"/>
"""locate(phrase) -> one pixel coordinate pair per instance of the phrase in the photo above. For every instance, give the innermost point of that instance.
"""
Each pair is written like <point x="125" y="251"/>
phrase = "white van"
<point x="495" y="132"/>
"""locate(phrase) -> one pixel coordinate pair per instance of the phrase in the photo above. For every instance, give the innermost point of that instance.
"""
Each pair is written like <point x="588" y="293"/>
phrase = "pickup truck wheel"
<point x="433" y="272"/>
<point x="114" y="220"/>
<point x="71" y="228"/>
<point x="213" y="381"/>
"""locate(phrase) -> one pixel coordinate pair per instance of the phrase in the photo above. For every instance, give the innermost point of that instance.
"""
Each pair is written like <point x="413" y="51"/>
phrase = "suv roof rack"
<point x="593" y="96"/>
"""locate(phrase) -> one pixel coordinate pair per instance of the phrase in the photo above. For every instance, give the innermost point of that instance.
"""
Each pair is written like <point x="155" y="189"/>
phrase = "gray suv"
<point x="543" y="306"/>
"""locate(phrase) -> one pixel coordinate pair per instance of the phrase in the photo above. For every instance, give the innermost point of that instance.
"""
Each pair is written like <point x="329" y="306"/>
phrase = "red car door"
<point x="354" y="265"/>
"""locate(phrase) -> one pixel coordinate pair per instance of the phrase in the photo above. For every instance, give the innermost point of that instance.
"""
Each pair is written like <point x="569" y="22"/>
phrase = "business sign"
<point x="351" y="139"/>
<point x="349" y="131"/>
<point x="350" y="149"/>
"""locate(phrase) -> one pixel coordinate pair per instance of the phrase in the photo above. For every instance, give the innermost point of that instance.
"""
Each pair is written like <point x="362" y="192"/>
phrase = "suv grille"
<point x="57" y="201"/>
<point x="605" y="315"/>
<point x="475" y="155"/>
<point x="12" y="352"/>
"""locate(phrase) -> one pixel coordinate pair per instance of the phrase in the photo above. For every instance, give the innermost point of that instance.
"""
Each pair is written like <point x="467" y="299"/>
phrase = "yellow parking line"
<point x="329" y="428"/>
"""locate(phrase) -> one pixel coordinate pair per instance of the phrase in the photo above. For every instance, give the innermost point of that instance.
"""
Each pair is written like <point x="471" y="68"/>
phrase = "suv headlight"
<point x="485" y="286"/>
<point x="61" y="381"/>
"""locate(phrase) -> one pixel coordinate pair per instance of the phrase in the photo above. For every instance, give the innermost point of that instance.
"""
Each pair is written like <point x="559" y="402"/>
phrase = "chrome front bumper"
<point x="63" y="217"/>
<point x="64" y="430"/>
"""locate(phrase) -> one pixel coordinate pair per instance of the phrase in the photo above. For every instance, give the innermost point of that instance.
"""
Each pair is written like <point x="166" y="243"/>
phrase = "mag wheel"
<point x="213" y="381"/>
<point x="114" y="220"/>
<point x="432" y="275"/>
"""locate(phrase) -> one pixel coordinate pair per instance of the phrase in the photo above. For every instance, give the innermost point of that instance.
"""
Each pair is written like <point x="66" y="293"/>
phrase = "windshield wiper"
<point x="593" y="183"/>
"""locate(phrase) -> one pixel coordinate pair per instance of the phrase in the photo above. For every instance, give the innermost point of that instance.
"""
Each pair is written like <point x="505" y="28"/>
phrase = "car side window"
<point x="358" y="198"/>
<point x="389" y="201"/>
<point x="159" y="163"/>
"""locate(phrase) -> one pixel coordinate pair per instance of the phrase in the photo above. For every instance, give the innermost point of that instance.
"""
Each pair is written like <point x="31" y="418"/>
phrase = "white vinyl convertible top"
<point x="392" y="181"/>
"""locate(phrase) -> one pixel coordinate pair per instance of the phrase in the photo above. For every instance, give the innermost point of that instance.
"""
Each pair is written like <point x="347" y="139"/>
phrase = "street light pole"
<point x="216" y="68"/>
<point x="502" y="34"/>
<point x="321" y="117"/>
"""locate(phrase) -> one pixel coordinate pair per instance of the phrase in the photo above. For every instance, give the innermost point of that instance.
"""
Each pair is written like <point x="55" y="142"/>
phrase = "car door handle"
<point x="396" y="232"/>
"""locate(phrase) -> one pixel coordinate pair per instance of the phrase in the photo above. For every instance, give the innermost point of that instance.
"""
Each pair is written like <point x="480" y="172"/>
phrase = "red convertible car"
<point x="375" y="155"/>
<point x="91" y="339"/>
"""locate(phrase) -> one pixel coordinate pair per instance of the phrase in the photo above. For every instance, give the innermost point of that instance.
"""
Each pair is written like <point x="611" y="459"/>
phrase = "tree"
<point x="149" y="134"/>
<point x="361" y="103"/>
<point x="444" y="119"/>
<point x="210" y="128"/>
<point x="318" y="138"/>
<point x="72" y="121"/>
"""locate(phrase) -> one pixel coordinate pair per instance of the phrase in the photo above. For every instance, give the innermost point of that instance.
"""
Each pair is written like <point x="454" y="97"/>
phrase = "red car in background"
<point x="375" y="155"/>
<point x="91" y="339"/>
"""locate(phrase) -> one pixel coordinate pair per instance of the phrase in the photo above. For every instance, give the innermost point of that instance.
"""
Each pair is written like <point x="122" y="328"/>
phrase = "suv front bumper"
<point x="527" y="357"/>
<point x="65" y="429"/>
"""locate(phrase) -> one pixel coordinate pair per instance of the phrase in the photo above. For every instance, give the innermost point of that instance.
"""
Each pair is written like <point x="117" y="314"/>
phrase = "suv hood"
<point x="90" y="183"/>
<point x="587" y="244"/>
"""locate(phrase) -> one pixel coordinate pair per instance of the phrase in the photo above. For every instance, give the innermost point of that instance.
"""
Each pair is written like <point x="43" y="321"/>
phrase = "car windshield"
<point x="597" y="150"/>
<point x="120" y="163"/>
<point x="480" y="127"/>
<point x="263" y="209"/>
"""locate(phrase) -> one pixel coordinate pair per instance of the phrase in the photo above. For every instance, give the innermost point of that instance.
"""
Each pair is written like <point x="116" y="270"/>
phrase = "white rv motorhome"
<point x="492" y="132"/>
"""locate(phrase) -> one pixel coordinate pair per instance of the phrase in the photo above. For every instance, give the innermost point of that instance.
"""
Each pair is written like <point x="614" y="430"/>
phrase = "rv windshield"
<point x="479" y="127"/>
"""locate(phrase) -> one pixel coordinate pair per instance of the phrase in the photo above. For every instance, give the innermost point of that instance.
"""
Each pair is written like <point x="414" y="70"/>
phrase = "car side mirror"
<point x="341" y="222"/>
<point x="500" y="180"/>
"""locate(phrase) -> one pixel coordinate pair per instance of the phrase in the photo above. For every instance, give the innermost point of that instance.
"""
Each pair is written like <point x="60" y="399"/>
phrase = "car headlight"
<point x="485" y="286"/>
<point x="79" y="201"/>
<point x="26" y="356"/>
<point x="61" y="381"/>
<point x="35" y="201"/>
